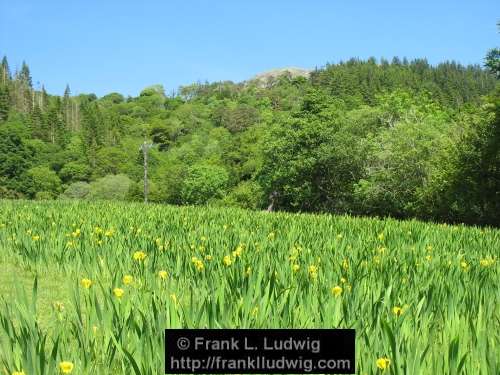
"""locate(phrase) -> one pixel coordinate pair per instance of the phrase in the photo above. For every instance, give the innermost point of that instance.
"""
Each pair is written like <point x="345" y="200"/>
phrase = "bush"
<point x="248" y="194"/>
<point x="203" y="183"/>
<point x="113" y="187"/>
<point x="77" y="190"/>
<point x="136" y="192"/>
<point x="44" y="196"/>
<point x="9" y="194"/>
<point x="44" y="179"/>
<point x="75" y="171"/>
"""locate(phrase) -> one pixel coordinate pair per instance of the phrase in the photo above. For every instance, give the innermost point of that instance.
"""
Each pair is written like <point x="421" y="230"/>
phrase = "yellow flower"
<point x="383" y="363"/>
<point x="336" y="291"/>
<point x="139" y="255"/>
<point x="66" y="367"/>
<point x="248" y="271"/>
<point x="396" y="310"/>
<point x="86" y="283"/>
<point x="18" y="373"/>
<point x="237" y="252"/>
<point x="429" y="258"/>
<point x="486" y="262"/>
<point x="295" y="267"/>
<point x="343" y="280"/>
<point x="118" y="292"/>
<point x="208" y="257"/>
<point x="109" y="233"/>
<point x="127" y="279"/>
<point x="35" y="238"/>
<point x="381" y="236"/>
<point x="345" y="264"/>
<point x="199" y="265"/>
<point x="163" y="274"/>
<point x="464" y="264"/>
<point x="227" y="261"/>
<point x="313" y="271"/>
<point x="255" y="310"/>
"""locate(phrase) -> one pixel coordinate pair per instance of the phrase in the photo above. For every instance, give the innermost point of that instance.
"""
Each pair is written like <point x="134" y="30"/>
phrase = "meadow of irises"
<point x="422" y="297"/>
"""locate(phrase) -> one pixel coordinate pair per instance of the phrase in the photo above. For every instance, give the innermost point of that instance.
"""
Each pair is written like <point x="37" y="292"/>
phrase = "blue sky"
<point x="123" y="46"/>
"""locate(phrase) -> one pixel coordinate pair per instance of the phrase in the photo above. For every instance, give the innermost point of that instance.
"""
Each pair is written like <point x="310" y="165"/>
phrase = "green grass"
<point x="52" y="288"/>
<point x="279" y="273"/>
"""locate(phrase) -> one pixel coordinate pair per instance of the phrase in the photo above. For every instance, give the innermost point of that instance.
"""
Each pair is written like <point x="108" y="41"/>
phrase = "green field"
<point x="424" y="296"/>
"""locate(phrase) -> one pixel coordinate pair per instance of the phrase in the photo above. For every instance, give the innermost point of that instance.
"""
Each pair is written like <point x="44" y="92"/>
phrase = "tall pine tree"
<point x="4" y="102"/>
<point x="67" y="108"/>
<point x="25" y="75"/>
<point x="5" y="71"/>
<point x="92" y="129"/>
<point x="37" y="124"/>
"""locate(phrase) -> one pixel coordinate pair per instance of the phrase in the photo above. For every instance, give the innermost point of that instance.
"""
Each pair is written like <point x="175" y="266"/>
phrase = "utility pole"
<point x="145" y="148"/>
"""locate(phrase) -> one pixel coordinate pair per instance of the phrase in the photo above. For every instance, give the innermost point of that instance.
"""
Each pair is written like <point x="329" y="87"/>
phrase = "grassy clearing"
<point x="422" y="295"/>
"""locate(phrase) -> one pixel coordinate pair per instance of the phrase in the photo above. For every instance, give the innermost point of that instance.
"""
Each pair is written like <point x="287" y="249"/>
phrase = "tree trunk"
<point x="145" y="152"/>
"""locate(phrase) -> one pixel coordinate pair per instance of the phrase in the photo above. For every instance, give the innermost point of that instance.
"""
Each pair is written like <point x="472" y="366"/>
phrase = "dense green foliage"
<point x="422" y="295"/>
<point x="399" y="138"/>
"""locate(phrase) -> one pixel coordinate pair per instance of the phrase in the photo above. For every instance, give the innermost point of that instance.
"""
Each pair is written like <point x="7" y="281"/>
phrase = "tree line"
<point x="364" y="137"/>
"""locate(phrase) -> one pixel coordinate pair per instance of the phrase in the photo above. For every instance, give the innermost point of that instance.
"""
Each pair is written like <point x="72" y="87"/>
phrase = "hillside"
<point x="392" y="138"/>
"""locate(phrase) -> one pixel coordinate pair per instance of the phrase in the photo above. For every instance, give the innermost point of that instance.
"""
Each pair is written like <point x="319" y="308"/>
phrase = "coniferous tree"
<point x="25" y="75"/>
<point x="92" y="127"/>
<point x="493" y="62"/>
<point x="5" y="71"/>
<point x="44" y="99"/>
<point x="56" y="126"/>
<point x="67" y="108"/>
<point x="37" y="123"/>
<point x="23" y="90"/>
<point x="4" y="102"/>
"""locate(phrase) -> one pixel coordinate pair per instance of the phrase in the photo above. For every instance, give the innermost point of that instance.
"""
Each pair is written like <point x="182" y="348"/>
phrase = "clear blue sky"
<point x="123" y="46"/>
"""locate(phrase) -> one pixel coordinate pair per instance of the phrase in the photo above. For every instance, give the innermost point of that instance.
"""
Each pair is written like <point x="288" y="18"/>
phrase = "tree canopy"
<point x="364" y="137"/>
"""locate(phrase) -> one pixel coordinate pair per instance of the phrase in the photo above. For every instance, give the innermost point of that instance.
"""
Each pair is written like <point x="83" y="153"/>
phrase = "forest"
<point x="399" y="138"/>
